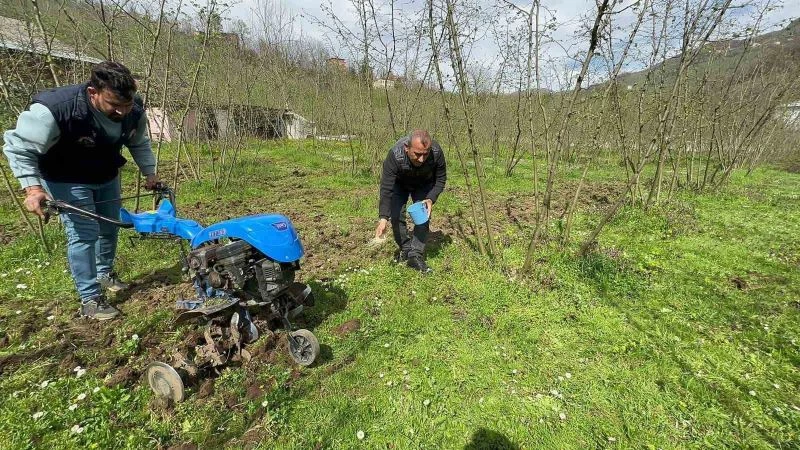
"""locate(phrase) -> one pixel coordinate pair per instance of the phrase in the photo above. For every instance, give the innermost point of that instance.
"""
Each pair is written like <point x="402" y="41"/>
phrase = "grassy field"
<point x="680" y="331"/>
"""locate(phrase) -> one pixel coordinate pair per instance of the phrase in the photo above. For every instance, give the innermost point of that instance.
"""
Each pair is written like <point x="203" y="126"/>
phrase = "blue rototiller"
<point x="243" y="272"/>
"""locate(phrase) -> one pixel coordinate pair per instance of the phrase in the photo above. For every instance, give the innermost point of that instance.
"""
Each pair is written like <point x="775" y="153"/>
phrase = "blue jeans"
<point x="91" y="245"/>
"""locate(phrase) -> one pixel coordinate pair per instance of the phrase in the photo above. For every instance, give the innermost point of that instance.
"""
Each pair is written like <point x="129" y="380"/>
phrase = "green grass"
<point x="647" y="343"/>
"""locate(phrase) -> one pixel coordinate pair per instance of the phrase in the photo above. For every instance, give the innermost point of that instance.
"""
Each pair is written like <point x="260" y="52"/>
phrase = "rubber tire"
<point x="314" y="347"/>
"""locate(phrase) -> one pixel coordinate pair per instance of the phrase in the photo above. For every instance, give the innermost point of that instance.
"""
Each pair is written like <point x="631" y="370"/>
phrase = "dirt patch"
<point x="347" y="328"/>
<point x="459" y="314"/>
<point x="252" y="437"/>
<point x="739" y="283"/>
<point x="333" y="368"/>
<point x="184" y="446"/>
<point x="254" y="391"/>
<point x="12" y="362"/>
<point x="293" y="377"/>
<point x="68" y="364"/>
<point x="487" y="322"/>
<point x="124" y="376"/>
<point x="162" y="404"/>
<point x="206" y="389"/>
<point x="276" y="351"/>
<point x="230" y="400"/>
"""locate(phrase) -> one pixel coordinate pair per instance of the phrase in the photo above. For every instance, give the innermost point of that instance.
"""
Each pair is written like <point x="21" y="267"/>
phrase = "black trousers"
<point x="414" y="245"/>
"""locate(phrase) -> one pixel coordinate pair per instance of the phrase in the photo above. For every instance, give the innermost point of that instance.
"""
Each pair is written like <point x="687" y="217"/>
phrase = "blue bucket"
<point x="419" y="213"/>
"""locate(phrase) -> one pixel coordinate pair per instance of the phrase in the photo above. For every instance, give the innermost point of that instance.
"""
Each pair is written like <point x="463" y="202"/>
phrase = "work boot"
<point x="401" y="256"/>
<point x="97" y="308"/>
<point x="111" y="282"/>
<point x="417" y="263"/>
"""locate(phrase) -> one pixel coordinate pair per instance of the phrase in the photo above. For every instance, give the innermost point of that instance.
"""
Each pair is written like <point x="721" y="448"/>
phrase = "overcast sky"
<point x="567" y="13"/>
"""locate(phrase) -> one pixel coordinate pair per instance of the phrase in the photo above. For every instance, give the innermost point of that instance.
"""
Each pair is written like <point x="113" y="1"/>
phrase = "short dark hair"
<point x="115" y="77"/>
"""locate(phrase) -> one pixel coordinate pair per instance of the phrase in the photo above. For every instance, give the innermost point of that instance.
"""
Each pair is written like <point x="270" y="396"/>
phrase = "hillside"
<point x="774" y="50"/>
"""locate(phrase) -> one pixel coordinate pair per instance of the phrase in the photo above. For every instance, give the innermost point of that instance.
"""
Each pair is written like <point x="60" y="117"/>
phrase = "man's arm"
<point x="441" y="178"/>
<point x="388" y="178"/>
<point x="141" y="149"/>
<point x="35" y="133"/>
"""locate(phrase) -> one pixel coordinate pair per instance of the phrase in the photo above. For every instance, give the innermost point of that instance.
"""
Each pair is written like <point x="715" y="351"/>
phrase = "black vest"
<point x="84" y="153"/>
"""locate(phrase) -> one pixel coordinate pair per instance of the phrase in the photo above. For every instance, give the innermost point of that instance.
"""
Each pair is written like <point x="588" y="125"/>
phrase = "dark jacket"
<point x="399" y="173"/>
<point x="83" y="153"/>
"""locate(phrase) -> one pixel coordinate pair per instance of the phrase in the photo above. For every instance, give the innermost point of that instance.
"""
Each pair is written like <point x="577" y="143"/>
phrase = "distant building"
<point x="17" y="37"/>
<point x="384" y="83"/>
<point x="218" y="122"/>
<point x="791" y="114"/>
<point x="388" y="82"/>
<point x="24" y="66"/>
<point x="337" y="62"/>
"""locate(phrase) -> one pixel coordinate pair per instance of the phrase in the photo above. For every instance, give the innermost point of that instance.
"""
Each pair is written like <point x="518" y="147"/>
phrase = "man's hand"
<point x="34" y="198"/>
<point x="428" y="205"/>
<point x="151" y="181"/>
<point x="381" y="229"/>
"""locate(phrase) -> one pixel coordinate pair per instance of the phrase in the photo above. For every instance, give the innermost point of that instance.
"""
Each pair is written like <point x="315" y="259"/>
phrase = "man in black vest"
<point x="415" y="167"/>
<point x="67" y="146"/>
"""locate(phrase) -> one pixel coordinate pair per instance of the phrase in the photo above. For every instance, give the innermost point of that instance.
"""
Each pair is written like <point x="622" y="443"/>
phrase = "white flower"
<point x="28" y="272"/>
<point x="15" y="394"/>
<point x="405" y="372"/>
<point x="135" y="337"/>
<point x="76" y="429"/>
<point x="19" y="270"/>
<point x="81" y="373"/>
<point x="568" y="375"/>
<point x="514" y="372"/>
<point x="18" y="312"/>
<point x="386" y="345"/>
<point x="776" y="385"/>
<point x="560" y="378"/>
<point x="73" y="407"/>
<point x="51" y="317"/>
<point x="360" y="435"/>
<point x="562" y="416"/>
<point x="753" y="393"/>
<point x="380" y="375"/>
<point x="65" y="271"/>
<point x="612" y="439"/>
<point x="44" y="384"/>
<point x="77" y="368"/>
<point x="426" y="402"/>
<point x="22" y="286"/>
<point x="264" y="403"/>
<point x="38" y="415"/>
<point x="96" y="390"/>
<point x="81" y="396"/>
